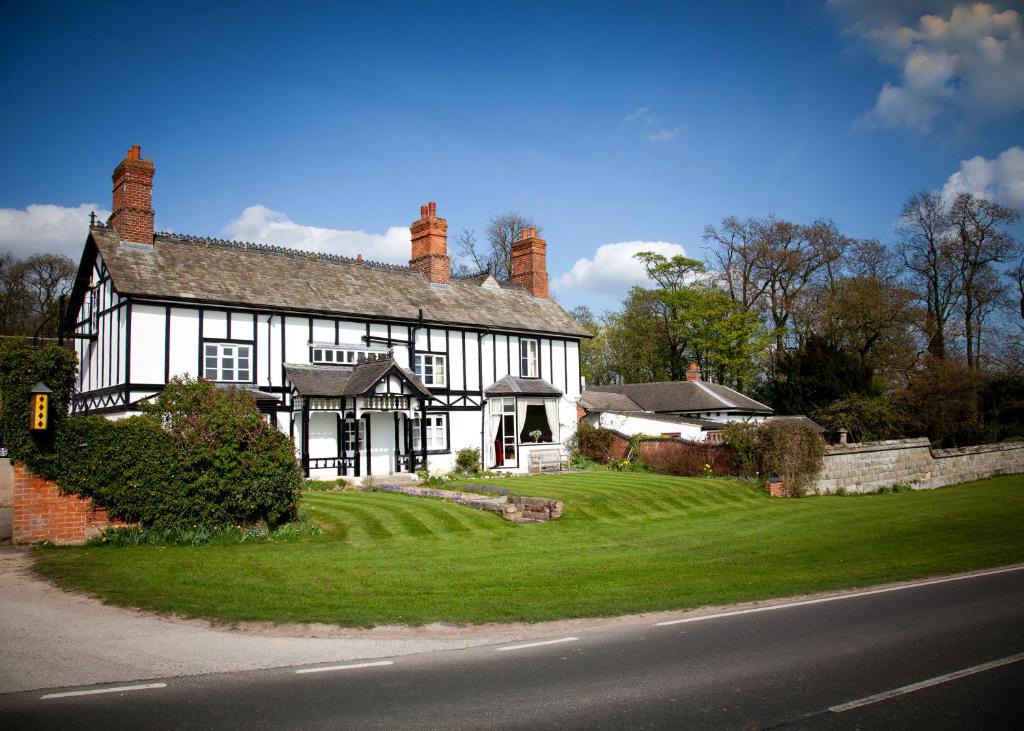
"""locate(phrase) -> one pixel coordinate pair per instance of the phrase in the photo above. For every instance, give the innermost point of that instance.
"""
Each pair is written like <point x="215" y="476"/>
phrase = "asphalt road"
<point x="812" y="664"/>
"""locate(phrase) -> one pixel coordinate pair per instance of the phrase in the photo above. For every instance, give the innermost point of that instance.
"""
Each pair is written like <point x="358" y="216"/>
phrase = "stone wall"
<point x="871" y="465"/>
<point x="42" y="513"/>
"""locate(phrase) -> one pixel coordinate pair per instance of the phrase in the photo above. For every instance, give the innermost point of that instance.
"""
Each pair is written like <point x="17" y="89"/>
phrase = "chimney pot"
<point x="132" y="203"/>
<point x="693" y="372"/>
<point x="430" y="245"/>
<point x="529" y="264"/>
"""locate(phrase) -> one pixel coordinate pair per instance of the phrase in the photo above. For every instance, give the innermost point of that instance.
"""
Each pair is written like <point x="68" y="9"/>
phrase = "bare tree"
<point x="736" y="257"/>
<point x="495" y="256"/>
<point x="980" y="242"/>
<point x="927" y="250"/>
<point x="30" y="293"/>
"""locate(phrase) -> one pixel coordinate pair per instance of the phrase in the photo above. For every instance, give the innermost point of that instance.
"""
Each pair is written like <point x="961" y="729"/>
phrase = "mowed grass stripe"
<point x="685" y="543"/>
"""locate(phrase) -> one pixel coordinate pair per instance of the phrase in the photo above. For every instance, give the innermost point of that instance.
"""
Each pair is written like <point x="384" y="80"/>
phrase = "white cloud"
<point x="614" y="269"/>
<point x="47" y="228"/>
<point x="665" y="135"/>
<point x="258" y="223"/>
<point x="964" y="67"/>
<point x="1000" y="179"/>
<point x="651" y="121"/>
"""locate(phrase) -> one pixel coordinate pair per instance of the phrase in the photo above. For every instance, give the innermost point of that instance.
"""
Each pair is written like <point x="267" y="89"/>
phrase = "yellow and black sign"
<point x="39" y="408"/>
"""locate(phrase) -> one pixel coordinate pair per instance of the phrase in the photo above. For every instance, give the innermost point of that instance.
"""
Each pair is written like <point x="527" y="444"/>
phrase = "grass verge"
<point x="628" y="543"/>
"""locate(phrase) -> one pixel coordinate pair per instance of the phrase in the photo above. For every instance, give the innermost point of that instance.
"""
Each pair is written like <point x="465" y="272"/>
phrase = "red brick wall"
<point x="529" y="264"/>
<point x="619" y="448"/>
<point x="133" y="198"/>
<point x="430" y="245"/>
<point x="42" y="513"/>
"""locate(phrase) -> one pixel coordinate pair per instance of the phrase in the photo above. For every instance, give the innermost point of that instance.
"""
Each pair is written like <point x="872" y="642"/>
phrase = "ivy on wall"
<point x="197" y="455"/>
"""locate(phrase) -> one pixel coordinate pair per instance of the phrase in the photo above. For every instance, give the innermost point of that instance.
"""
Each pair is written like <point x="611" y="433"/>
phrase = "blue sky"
<point x="326" y="125"/>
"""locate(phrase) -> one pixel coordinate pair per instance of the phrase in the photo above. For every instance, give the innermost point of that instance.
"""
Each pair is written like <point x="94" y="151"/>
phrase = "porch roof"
<point x="516" y="386"/>
<point x="326" y="380"/>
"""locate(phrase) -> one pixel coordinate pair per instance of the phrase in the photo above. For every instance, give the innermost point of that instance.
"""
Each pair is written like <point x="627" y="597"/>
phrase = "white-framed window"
<point x="353" y="428"/>
<point x="432" y="369"/>
<point x="229" y="362"/>
<point x="437" y="432"/>
<point x="335" y="356"/>
<point x="528" y="358"/>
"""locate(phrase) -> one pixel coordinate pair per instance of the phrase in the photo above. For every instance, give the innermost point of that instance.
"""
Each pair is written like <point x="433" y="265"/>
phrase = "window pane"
<point x="243" y="375"/>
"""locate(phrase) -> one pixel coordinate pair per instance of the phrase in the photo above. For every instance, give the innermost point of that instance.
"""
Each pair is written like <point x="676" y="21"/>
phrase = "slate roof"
<point x="804" y="420"/>
<point x="600" y="401"/>
<point x="233" y="273"/>
<point x="515" y="386"/>
<point x="325" y="380"/>
<point x="686" y="396"/>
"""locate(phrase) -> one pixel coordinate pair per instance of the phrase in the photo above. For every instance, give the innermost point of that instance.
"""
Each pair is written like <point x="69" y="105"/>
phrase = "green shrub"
<point x="866" y="418"/>
<point x="198" y="456"/>
<point x="742" y="436"/>
<point x="467" y="460"/>
<point x="791" y="451"/>
<point x="22" y="366"/>
<point x="590" y="442"/>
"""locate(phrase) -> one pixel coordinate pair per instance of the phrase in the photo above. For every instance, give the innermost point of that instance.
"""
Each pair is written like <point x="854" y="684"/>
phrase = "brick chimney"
<point x="529" y="263"/>
<point x="430" y="246"/>
<point x="693" y="372"/>
<point x="133" y="198"/>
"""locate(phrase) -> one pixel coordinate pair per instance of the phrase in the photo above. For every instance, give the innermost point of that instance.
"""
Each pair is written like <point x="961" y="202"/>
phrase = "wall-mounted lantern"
<point x="39" y="407"/>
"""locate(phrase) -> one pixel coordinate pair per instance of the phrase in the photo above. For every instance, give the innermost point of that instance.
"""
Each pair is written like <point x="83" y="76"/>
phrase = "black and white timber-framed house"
<point x="371" y="368"/>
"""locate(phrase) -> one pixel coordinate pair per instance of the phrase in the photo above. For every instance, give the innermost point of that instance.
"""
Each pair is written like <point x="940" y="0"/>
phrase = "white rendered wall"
<point x="147" y="356"/>
<point x="184" y="352"/>
<point x="631" y="425"/>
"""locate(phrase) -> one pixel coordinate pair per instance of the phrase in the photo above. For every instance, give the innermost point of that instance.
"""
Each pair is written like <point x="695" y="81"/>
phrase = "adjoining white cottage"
<point x="692" y="409"/>
<point x="373" y="369"/>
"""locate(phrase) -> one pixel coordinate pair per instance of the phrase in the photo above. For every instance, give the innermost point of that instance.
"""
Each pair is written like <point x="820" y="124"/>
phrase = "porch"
<point x="358" y="422"/>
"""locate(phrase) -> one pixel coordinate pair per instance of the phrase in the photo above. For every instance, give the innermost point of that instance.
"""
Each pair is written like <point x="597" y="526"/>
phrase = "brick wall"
<point x="42" y="513"/>
<point x="871" y="465"/>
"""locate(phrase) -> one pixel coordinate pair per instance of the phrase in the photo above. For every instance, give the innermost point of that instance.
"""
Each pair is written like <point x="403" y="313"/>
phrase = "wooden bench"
<point x="543" y="460"/>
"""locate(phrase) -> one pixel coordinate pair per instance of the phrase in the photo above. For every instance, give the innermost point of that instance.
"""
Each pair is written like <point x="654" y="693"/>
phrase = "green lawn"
<point x="627" y="543"/>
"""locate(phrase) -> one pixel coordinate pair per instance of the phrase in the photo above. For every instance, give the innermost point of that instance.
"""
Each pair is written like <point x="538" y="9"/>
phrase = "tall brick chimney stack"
<point x="133" y="198"/>
<point x="430" y="246"/>
<point x="529" y="263"/>
<point x="693" y="372"/>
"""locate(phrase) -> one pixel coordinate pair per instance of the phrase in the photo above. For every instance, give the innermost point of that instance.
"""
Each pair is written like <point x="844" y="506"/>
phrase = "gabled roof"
<point x="515" y="386"/>
<point x="684" y="396"/>
<point x="232" y="273"/>
<point x="325" y="380"/>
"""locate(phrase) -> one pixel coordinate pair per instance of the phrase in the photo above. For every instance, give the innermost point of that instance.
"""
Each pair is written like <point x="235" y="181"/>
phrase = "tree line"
<point x="923" y="335"/>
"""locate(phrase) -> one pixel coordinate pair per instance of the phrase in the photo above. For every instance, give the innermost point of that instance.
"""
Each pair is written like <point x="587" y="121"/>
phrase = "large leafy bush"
<point x="197" y="456"/>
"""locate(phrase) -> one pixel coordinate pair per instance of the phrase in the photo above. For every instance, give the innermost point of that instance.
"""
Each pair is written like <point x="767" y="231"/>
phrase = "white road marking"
<point x="537" y="644"/>
<point x="344" y="667"/>
<point x="97" y="691"/>
<point x="886" y="695"/>
<point x="838" y="597"/>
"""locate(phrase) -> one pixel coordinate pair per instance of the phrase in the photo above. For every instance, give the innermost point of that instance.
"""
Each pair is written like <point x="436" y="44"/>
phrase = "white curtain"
<point x="493" y="422"/>
<point x="521" y="404"/>
<point x="551" y="411"/>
